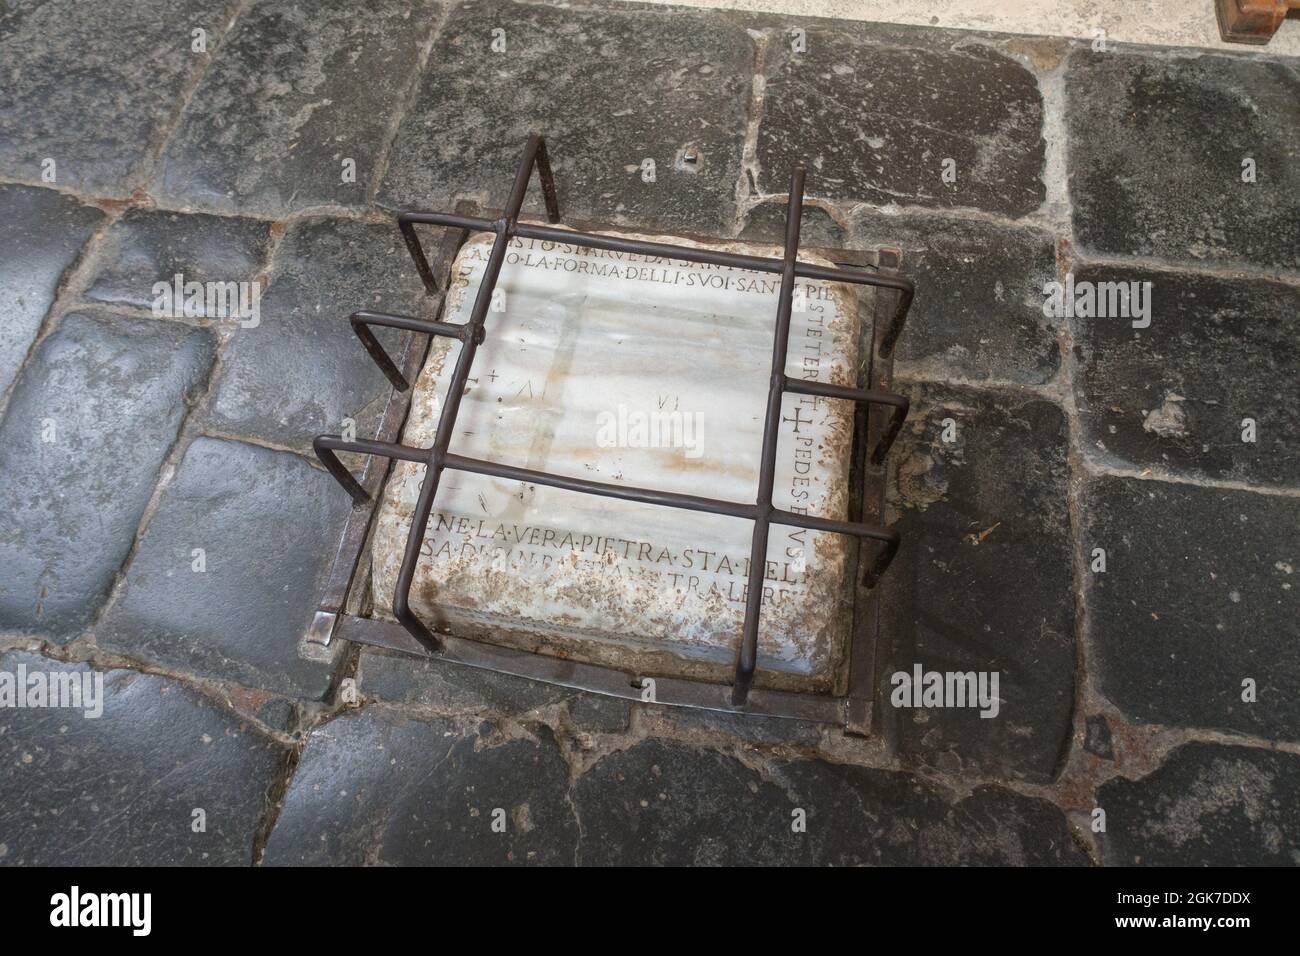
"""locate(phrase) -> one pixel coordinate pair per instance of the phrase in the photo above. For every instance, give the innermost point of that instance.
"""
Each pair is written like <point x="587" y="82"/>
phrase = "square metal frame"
<point x="339" y="615"/>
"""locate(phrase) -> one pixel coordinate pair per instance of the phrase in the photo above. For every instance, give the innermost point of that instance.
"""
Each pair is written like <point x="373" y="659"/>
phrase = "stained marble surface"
<point x="561" y="385"/>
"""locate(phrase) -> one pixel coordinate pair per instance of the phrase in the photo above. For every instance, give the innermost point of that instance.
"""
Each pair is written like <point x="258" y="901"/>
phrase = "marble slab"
<point x="654" y="373"/>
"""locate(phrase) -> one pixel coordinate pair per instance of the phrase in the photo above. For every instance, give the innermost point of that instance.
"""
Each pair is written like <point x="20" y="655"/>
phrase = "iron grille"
<point x="761" y="512"/>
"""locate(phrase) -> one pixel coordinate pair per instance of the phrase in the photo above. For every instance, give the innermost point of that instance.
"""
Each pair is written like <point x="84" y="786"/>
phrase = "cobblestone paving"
<point x="1110" y="523"/>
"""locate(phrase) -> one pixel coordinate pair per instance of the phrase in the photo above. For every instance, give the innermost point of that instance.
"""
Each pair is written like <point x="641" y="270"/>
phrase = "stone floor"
<point x="1097" y="532"/>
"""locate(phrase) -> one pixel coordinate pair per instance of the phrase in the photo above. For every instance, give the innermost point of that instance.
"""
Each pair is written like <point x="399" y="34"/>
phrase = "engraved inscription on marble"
<point x="654" y="373"/>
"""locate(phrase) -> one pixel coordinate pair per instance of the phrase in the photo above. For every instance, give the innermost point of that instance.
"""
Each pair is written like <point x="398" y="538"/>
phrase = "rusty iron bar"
<point x="748" y="659"/>
<point x="326" y="445"/>
<point x="504" y="228"/>
<point x="362" y="321"/>
<point x="437" y="458"/>
<point x="804" y="270"/>
<point x="899" y="403"/>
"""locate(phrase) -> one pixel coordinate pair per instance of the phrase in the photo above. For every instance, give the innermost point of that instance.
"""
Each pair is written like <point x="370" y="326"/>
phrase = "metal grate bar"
<point x="437" y="458"/>
<point x="327" y="445"/>
<point x="503" y="228"/>
<point x="804" y="270"/>
<point x="363" y="320"/>
<point x="900" y="405"/>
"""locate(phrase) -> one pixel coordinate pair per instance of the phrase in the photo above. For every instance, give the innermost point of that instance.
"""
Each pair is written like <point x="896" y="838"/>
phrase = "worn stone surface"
<point x="765" y="222"/>
<point x="88" y="426"/>
<point x="297" y="91"/>
<point x="384" y="789"/>
<point x="1157" y="146"/>
<point x="874" y="122"/>
<point x="609" y="88"/>
<point x="1097" y="737"/>
<point x="402" y="680"/>
<point x="598" y="714"/>
<point x="978" y="311"/>
<point x="1199" y="594"/>
<point x="560" y="386"/>
<point x="146" y="246"/>
<point x="121" y="789"/>
<point x="725" y="727"/>
<point x="976" y="514"/>
<point x="1174" y="396"/>
<point x="661" y="803"/>
<point x="239" y="619"/>
<point x="667" y="804"/>
<point x="279" y="714"/>
<point x="1208" y="805"/>
<point x="41" y="234"/>
<point x="302" y="371"/>
<point x="96" y="93"/>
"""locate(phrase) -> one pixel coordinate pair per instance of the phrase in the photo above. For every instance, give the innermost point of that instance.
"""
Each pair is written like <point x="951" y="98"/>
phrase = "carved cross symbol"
<point x="798" y="411"/>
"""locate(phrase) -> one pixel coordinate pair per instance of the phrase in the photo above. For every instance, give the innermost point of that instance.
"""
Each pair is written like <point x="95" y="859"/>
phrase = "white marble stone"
<point x="1161" y="22"/>
<point x="652" y="373"/>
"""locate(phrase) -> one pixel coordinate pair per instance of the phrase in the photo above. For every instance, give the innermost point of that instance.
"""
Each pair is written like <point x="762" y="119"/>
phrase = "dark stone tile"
<point x="765" y="222"/>
<point x="279" y="714"/>
<point x="608" y="88"/>
<point x="1156" y="153"/>
<point x="978" y="311"/>
<point x="114" y="391"/>
<point x="302" y="370"/>
<point x="668" y="804"/>
<point x="41" y="234"/>
<point x="599" y="714"/>
<point x="983" y="581"/>
<point x="296" y="90"/>
<point x="268" y="523"/>
<point x="146" y="246"/>
<point x="1173" y="396"/>
<point x="95" y="93"/>
<point x="403" y="680"/>
<point x="121" y="789"/>
<point x="873" y="121"/>
<point x="1199" y="593"/>
<point x="450" y="688"/>
<point x="384" y="789"/>
<point x="1208" y="805"/>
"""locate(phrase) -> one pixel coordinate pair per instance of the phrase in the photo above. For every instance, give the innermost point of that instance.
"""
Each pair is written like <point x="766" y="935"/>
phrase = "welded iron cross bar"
<point x="438" y="458"/>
